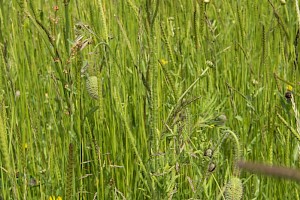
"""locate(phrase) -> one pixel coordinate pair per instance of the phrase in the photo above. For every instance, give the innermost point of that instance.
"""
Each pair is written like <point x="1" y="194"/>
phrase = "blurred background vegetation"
<point x="147" y="99"/>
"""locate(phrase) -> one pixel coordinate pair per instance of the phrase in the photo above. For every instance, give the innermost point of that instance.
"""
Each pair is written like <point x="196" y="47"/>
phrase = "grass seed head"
<point x="234" y="189"/>
<point x="92" y="86"/>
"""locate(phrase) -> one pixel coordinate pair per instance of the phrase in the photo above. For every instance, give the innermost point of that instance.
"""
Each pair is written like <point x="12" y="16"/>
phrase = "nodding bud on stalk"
<point x="211" y="167"/>
<point x="209" y="153"/>
<point x="234" y="189"/>
<point x="92" y="86"/>
<point x="221" y="120"/>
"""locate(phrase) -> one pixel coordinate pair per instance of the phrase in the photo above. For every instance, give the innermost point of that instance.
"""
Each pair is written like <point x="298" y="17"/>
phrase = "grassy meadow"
<point x="148" y="99"/>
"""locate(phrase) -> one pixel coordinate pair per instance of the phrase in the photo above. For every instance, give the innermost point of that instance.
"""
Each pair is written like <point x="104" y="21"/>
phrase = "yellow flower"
<point x="53" y="198"/>
<point x="289" y="88"/>
<point x="163" y="62"/>
<point x="50" y="198"/>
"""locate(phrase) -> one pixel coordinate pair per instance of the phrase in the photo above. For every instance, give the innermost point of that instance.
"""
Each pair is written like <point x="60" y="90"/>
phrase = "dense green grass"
<point x="166" y="71"/>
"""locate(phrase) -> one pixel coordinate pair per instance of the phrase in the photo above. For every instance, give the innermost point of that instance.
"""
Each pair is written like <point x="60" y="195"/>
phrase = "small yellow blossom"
<point x="289" y="88"/>
<point x="53" y="198"/>
<point x="163" y="62"/>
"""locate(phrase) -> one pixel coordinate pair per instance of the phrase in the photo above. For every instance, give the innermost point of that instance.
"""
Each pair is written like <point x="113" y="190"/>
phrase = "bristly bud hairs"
<point x="92" y="86"/>
<point x="234" y="189"/>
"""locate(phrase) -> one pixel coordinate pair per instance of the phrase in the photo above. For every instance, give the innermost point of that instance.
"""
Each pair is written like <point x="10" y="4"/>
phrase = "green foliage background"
<point x="166" y="70"/>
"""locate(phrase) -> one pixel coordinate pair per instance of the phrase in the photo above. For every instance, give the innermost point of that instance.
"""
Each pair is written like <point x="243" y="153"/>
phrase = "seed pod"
<point x="92" y="86"/>
<point x="234" y="189"/>
<point x="222" y="119"/>
<point x="208" y="153"/>
<point x="288" y="96"/>
<point x="212" y="166"/>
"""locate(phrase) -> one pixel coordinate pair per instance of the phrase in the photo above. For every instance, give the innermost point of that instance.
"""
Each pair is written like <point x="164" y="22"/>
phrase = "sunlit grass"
<point x="147" y="99"/>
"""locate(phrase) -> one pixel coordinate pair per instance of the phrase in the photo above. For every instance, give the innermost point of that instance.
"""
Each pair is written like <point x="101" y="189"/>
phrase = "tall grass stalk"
<point x="103" y="20"/>
<point x="69" y="194"/>
<point x="298" y="12"/>
<point x="67" y="22"/>
<point x="10" y="172"/>
<point x="145" y="132"/>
